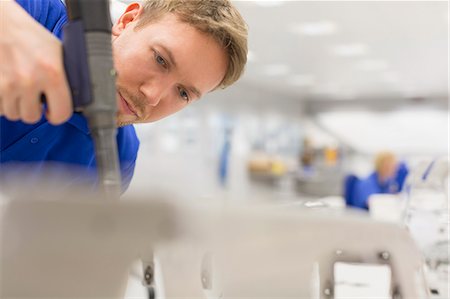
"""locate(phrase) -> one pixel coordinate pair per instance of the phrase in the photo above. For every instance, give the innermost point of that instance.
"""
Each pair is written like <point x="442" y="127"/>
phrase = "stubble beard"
<point x="137" y="103"/>
<point x="133" y="101"/>
<point x="123" y="124"/>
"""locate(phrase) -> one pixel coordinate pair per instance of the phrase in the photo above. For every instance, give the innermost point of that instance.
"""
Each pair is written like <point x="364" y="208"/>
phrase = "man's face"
<point x="388" y="169"/>
<point x="162" y="66"/>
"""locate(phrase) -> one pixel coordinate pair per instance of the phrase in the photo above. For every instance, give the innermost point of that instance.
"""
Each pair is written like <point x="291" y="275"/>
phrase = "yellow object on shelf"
<point x="278" y="168"/>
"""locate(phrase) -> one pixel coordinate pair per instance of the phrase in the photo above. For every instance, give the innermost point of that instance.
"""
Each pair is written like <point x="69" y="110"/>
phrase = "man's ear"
<point x="132" y="12"/>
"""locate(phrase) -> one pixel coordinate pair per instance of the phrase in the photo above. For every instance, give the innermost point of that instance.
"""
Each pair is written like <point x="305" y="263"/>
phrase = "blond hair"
<point x="382" y="157"/>
<point x="217" y="18"/>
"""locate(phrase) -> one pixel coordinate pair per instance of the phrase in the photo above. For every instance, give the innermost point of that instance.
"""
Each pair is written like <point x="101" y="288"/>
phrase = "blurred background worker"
<point x="387" y="178"/>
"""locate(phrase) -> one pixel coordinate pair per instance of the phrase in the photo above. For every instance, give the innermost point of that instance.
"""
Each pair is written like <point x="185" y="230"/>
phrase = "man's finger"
<point x="59" y="102"/>
<point x="30" y="107"/>
<point x="10" y="106"/>
<point x="1" y="107"/>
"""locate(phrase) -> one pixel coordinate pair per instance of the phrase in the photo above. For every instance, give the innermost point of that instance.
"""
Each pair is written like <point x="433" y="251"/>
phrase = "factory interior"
<point x="263" y="189"/>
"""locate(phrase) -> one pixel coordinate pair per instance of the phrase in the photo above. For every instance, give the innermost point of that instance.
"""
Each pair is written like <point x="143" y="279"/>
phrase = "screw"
<point x="206" y="280"/>
<point x="148" y="275"/>
<point x="396" y="293"/>
<point x="384" y="255"/>
<point x="327" y="291"/>
<point x="339" y="252"/>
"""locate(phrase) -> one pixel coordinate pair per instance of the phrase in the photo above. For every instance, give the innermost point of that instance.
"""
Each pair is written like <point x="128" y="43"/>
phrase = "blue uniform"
<point x="371" y="185"/>
<point x="58" y="149"/>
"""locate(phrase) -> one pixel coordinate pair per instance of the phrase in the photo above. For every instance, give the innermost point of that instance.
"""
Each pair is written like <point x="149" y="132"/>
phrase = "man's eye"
<point x="160" y="60"/>
<point x="183" y="94"/>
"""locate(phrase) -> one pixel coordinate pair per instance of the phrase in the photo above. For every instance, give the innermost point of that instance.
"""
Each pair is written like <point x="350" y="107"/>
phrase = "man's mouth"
<point x="126" y="107"/>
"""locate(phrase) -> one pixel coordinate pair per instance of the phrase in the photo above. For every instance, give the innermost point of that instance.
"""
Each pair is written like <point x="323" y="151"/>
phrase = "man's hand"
<point x="31" y="64"/>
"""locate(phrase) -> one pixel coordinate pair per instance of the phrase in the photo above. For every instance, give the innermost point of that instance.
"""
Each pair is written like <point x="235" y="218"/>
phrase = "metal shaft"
<point x="101" y="111"/>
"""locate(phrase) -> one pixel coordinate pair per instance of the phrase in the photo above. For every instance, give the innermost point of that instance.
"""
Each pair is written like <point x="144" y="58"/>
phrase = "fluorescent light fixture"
<point x="335" y="92"/>
<point x="269" y="3"/>
<point x="276" y="69"/>
<point x="314" y="28"/>
<point x="349" y="50"/>
<point x="302" y="80"/>
<point x="372" y="65"/>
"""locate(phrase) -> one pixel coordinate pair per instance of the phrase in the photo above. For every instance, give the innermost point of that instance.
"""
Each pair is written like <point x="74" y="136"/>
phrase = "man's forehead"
<point x="182" y="43"/>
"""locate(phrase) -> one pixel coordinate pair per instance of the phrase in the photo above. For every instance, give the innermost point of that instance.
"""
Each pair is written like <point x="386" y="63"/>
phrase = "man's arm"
<point x="363" y="189"/>
<point x="31" y="65"/>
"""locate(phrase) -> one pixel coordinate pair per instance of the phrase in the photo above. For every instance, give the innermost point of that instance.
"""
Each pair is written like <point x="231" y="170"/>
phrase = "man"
<point x="382" y="181"/>
<point x="167" y="54"/>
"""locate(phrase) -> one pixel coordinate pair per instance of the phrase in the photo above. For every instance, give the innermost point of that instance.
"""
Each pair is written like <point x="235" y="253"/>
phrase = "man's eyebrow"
<point x="195" y="91"/>
<point x="174" y="63"/>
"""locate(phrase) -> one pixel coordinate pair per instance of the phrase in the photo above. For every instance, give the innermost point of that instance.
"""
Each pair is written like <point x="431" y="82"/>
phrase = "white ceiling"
<point x="407" y="131"/>
<point x="402" y="47"/>
<point x="403" y="53"/>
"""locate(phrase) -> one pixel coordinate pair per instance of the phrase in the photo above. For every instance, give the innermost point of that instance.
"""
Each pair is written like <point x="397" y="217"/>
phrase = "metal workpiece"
<point x="262" y="254"/>
<point x="355" y="258"/>
<point x="87" y="247"/>
<point x="75" y="246"/>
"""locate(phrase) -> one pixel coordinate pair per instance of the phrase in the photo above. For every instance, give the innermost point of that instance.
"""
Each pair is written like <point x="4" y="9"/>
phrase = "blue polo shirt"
<point x="66" y="150"/>
<point x="371" y="185"/>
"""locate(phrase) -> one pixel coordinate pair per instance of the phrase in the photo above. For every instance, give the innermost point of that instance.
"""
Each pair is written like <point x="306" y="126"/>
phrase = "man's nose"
<point x="155" y="92"/>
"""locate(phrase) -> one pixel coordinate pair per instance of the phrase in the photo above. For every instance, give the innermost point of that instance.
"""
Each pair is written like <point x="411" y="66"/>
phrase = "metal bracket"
<point x="381" y="258"/>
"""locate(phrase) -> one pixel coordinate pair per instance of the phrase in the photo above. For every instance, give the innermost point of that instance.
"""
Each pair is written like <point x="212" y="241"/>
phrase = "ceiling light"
<point x="269" y="3"/>
<point x="302" y="80"/>
<point x="276" y="69"/>
<point x="335" y="91"/>
<point x="372" y="65"/>
<point x="314" y="28"/>
<point x="348" y="50"/>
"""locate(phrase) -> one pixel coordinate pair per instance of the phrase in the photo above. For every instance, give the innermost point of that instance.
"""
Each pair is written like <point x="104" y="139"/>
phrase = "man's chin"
<point x="124" y="120"/>
<point x="124" y="123"/>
